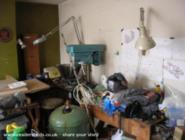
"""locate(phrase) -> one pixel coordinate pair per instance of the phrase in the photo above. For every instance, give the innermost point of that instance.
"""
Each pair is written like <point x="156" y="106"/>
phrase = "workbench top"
<point x="33" y="85"/>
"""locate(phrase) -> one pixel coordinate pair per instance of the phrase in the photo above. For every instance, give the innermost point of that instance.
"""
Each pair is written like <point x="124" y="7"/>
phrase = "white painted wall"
<point x="102" y="21"/>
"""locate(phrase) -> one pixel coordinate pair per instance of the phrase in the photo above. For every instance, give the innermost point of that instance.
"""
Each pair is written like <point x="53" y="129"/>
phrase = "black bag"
<point x="116" y="82"/>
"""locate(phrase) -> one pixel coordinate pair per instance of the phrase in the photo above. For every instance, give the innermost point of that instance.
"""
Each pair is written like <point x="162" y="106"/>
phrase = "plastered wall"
<point x="102" y="21"/>
<point x="8" y="50"/>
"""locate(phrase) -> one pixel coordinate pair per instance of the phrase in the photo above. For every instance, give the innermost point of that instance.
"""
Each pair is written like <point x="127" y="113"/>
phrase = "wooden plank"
<point x="141" y="130"/>
<point x="35" y="85"/>
<point x="98" y="113"/>
<point x="7" y="91"/>
<point x="8" y="79"/>
<point x="137" y="128"/>
<point x="4" y="90"/>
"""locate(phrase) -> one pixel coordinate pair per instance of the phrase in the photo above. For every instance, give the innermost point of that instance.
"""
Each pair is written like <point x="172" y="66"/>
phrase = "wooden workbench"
<point x="141" y="130"/>
<point x="33" y="85"/>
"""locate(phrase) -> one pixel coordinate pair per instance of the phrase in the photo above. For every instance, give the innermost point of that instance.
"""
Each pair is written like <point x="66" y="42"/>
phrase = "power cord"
<point x="84" y="96"/>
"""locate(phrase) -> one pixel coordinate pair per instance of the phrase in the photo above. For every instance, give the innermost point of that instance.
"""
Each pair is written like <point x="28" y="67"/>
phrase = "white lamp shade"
<point x="144" y="42"/>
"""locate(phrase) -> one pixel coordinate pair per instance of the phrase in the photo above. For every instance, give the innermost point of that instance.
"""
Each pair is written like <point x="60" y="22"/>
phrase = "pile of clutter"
<point x="131" y="102"/>
<point x="146" y="104"/>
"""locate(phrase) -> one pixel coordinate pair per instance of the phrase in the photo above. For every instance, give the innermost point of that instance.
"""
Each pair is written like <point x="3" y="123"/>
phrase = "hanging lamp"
<point x="144" y="42"/>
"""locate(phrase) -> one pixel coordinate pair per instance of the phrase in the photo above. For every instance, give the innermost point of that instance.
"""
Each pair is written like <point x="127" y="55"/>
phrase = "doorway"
<point x="37" y="19"/>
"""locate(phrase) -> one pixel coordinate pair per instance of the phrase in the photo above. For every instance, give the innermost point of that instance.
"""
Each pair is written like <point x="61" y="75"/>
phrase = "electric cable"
<point x="138" y="68"/>
<point x="84" y="96"/>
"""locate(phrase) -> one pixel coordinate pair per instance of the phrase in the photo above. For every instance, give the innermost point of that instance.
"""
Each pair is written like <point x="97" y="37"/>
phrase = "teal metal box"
<point x="88" y="54"/>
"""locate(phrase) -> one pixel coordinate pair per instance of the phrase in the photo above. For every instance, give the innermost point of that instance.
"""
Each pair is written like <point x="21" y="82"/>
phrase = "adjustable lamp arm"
<point x="56" y="29"/>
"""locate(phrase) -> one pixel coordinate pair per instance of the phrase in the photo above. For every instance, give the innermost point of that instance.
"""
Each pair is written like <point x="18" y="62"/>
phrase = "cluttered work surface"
<point x="135" y="111"/>
<point x="32" y="86"/>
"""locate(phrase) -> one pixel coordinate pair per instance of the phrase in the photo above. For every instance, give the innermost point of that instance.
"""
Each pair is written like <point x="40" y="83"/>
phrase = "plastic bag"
<point x="117" y="135"/>
<point x="174" y="102"/>
<point x="116" y="82"/>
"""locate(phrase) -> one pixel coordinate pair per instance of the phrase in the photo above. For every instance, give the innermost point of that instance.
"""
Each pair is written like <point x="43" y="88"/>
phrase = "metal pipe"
<point x="142" y="16"/>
